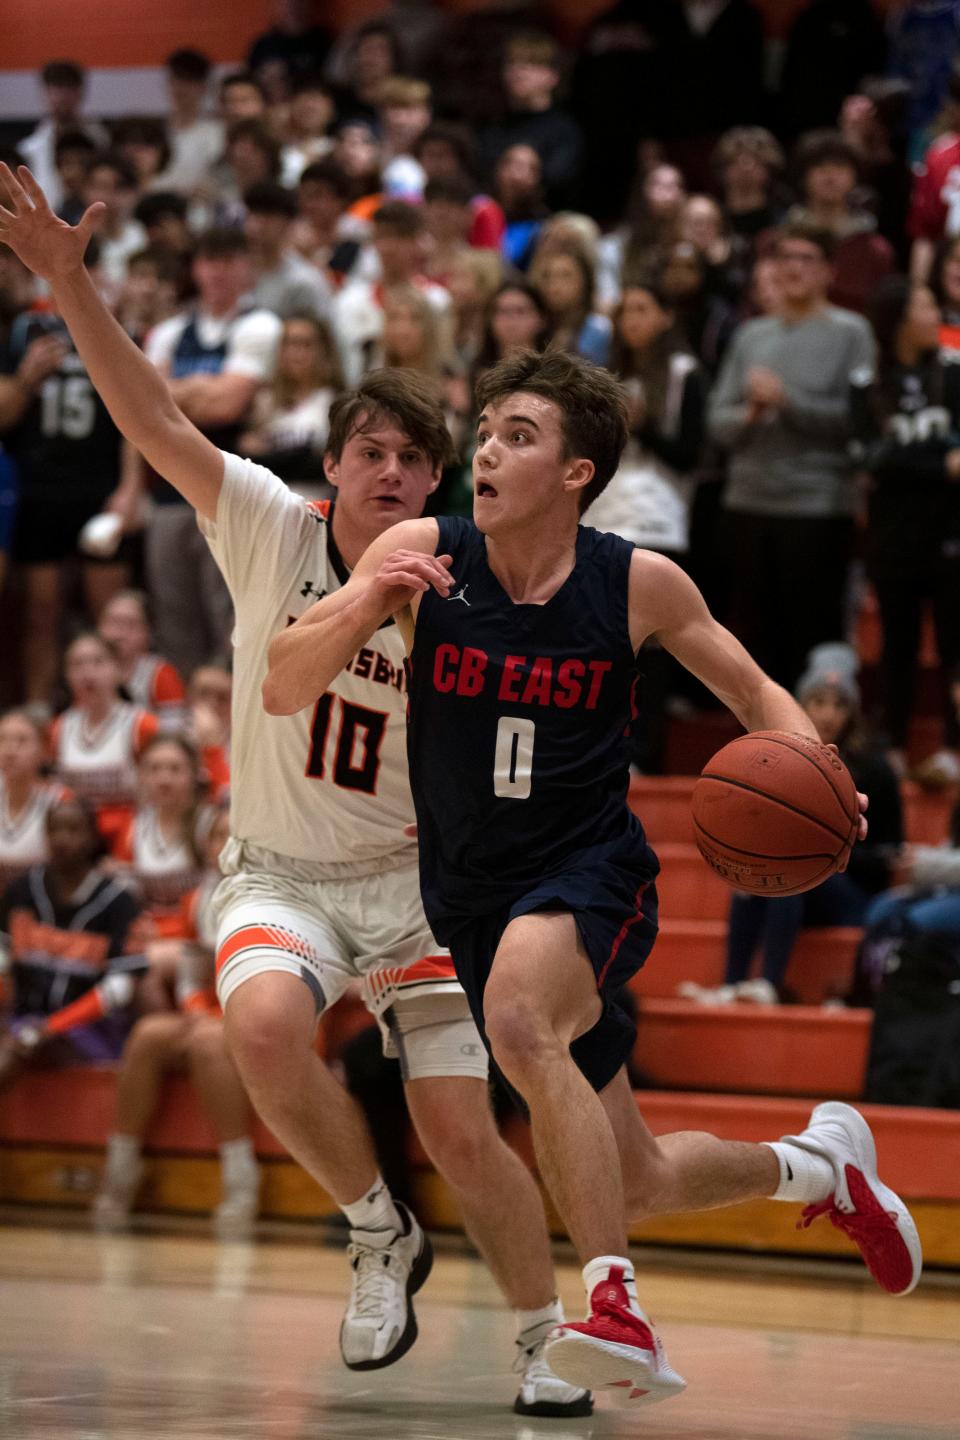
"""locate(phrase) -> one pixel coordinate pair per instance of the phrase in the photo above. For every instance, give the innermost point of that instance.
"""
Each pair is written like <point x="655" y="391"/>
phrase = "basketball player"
<point x="321" y="881"/>
<point x="523" y="627"/>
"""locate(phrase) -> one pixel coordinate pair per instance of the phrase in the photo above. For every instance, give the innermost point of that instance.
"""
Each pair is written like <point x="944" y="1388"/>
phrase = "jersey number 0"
<point x="356" y="754"/>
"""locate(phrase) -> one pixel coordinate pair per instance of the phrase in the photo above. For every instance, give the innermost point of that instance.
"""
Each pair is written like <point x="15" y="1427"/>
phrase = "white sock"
<point x="804" y="1177"/>
<point x="531" y="1321"/>
<point x="238" y="1165"/>
<point x="123" y="1159"/>
<point x="375" y="1210"/>
<point x="598" y="1270"/>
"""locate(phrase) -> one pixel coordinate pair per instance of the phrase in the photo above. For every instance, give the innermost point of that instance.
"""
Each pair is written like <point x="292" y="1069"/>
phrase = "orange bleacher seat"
<point x="662" y="803"/>
<point x="756" y="1049"/>
<point x="687" y="887"/>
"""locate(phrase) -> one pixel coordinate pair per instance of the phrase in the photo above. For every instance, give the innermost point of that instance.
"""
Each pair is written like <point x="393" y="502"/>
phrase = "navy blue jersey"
<point x="519" y="717"/>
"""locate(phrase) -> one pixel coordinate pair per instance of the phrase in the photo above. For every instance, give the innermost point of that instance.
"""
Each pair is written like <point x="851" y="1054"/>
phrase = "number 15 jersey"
<point x="519" y="716"/>
<point x="327" y="787"/>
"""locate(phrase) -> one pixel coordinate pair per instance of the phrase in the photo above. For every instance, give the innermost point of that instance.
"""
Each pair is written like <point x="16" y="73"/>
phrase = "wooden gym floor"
<point x="169" y="1336"/>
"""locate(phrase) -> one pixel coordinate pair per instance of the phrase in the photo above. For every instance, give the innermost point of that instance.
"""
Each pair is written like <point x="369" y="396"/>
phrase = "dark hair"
<point x="592" y="405"/>
<point x="189" y="65"/>
<point x="219" y="242"/>
<point x="158" y="203"/>
<point x="98" y="845"/>
<point x="242" y="77"/>
<point x="751" y="140"/>
<point x="268" y="198"/>
<point x="945" y="248"/>
<point x="401" y="218"/>
<point x="407" y="398"/>
<point x="806" y="230"/>
<point x="488" y="353"/>
<point x="119" y="164"/>
<point x="168" y="267"/>
<point x="311" y="82"/>
<point x="824" y="147"/>
<point x="257" y="133"/>
<point x="653" y="368"/>
<point x="188" y="830"/>
<point x="377" y="27"/>
<point x="327" y="172"/>
<point x="74" y="140"/>
<point x="144" y="130"/>
<point x="888" y="310"/>
<point x="455" y="191"/>
<point x="583" y="262"/>
<point x="457" y="137"/>
<point x="65" y="73"/>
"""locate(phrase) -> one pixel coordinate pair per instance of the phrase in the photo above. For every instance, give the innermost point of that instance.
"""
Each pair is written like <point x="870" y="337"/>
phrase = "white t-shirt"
<point x="306" y="423"/>
<point x="194" y="150"/>
<point x="328" y="786"/>
<point x="252" y="342"/>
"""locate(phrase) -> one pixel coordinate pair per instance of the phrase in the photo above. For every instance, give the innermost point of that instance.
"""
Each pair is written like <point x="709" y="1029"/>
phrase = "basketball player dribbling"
<point x="523" y="628"/>
<point x="321" y="883"/>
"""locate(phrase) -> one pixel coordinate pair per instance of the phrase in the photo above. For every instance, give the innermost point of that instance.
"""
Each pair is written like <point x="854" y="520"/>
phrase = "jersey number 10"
<point x="356" y="754"/>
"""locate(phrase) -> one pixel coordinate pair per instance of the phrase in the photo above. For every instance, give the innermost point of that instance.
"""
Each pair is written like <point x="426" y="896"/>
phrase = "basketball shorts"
<point x="332" y="933"/>
<point x="614" y="905"/>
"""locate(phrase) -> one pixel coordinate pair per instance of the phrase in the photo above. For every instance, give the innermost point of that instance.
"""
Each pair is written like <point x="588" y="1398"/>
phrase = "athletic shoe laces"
<point x="872" y="1232"/>
<point x="373" y="1283"/>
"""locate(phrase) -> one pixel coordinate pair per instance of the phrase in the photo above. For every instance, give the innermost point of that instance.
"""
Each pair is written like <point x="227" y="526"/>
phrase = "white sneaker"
<point x="541" y="1391"/>
<point x="379" y="1325"/>
<point x="758" y="992"/>
<point x="875" y="1218"/>
<point x="112" y="1206"/>
<point x="707" y="994"/>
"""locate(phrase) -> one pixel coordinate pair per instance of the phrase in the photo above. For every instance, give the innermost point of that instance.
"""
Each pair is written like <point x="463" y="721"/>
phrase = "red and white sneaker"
<point x="613" y="1352"/>
<point x="876" y="1219"/>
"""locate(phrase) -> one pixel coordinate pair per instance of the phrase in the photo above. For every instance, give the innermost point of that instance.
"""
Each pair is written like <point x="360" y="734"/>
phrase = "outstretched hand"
<point x="47" y="245"/>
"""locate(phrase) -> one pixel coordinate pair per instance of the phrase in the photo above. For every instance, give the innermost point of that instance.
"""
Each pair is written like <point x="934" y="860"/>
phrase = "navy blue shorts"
<point x="614" y="904"/>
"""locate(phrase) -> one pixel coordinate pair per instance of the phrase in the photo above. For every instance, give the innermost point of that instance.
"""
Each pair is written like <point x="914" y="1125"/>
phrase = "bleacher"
<point x="745" y="1072"/>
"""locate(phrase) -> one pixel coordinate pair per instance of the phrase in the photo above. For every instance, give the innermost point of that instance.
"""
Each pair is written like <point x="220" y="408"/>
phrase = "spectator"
<point x="781" y="407"/>
<point x="68" y="931"/>
<point x="357" y="153"/>
<point x="414" y="336"/>
<point x="97" y="742"/>
<point x="653" y="225"/>
<point x="518" y="191"/>
<point x="25" y="796"/>
<point x="72" y="467"/>
<point x="398" y="239"/>
<point x="64" y="83"/>
<point x="324" y="233"/>
<point x="150" y="293"/>
<point x="719" y="64"/>
<point x="112" y="181"/>
<point x="567" y="281"/>
<point x="242" y="97"/>
<point x="445" y="152"/>
<point x="828" y="170"/>
<point x="923" y="38"/>
<point x="192" y="1039"/>
<point x="945" y="284"/>
<point x="252" y="158"/>
<point x="763" y="293"/>
<point x="163" y="216"/>
<point x="157" y="850"/>
<point x="907" y="422"/>
<point x="449" y="217"/>
<point x="935" y="202"/>
<point x="284" y="282"/>
<point x="210" y="695"/>
<point x="404" y="113"/>
<point x="73" y="151"/>
<point x="310" y="116"/>
<point x="196" y="138"/>
<point x="216" y="354"/>
<point x="648" y="500"/>
<point x="701" y="315"/>
<point x="151" y="682"/>
<point x="294" y="39"/>
<point x="874" y="123"/>
<point x="290" y="420"/>
<point x="517" y="319"/>
<point x="374" y="57"/>
<point x="748" y="162"/>
<point x="828" y="692"/>
<point x="703" y="224"/>
<point x="474" y="279"/>
<point x="143" y="142"/>
<point x="531" y="76"/>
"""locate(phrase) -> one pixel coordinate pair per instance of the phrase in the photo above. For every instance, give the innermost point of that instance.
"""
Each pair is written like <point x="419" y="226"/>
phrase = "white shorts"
<point x="331" y="933"/>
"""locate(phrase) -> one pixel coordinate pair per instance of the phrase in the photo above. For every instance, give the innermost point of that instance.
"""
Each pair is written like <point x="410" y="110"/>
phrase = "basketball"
<point x="775" y="813"/>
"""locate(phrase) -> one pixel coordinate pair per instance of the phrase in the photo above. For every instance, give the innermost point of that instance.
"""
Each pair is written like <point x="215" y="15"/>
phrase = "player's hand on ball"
<point x="47" y="245"/>
<point x="863" y="799"/>
<point x="406" y="573"/>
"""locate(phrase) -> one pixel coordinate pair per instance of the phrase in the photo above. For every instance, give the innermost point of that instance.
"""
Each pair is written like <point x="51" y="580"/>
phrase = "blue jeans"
<point x="921" y="911"/>
<point x="775" y="924"/>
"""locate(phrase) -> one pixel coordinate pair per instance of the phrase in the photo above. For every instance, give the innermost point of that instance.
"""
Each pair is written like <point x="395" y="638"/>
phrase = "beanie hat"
<point x="833" y="666"/>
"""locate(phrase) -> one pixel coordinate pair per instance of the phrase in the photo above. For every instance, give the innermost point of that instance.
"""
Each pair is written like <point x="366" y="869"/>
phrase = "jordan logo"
<point x="461" y="595"/>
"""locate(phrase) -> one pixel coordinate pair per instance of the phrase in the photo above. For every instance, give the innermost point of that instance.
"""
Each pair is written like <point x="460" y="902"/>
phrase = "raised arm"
<point x="388" y="580"/>
<point x="136" y="396"/>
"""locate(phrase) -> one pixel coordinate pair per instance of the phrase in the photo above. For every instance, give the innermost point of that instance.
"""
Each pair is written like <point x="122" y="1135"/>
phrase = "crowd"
<point x="777" y="290"/>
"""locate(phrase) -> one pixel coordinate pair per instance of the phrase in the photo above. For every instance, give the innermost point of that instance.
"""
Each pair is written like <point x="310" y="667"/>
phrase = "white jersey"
<point x="23" y="837"/>
<point x="164" y="871"/>
<point x="154" y="684"/>
<point x="326" y="789"/>
<point x="99" y="762"/>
